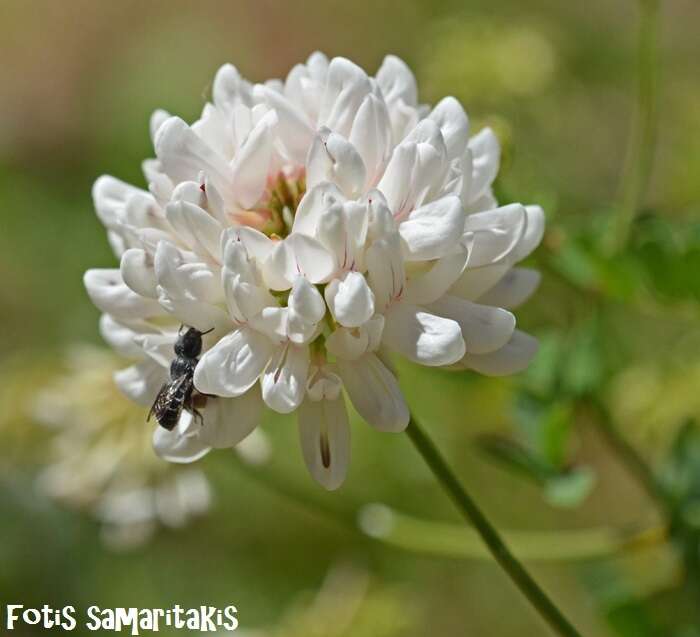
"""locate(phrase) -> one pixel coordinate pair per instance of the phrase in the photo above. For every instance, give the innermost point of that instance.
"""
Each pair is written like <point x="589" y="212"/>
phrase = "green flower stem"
<point x="640" y="151"/>
<point x="444" y="539"/>
<point x="471" y="512"/>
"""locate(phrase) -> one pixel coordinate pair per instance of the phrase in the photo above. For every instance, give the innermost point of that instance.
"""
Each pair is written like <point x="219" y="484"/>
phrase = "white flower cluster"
<point x="315" y="224"/>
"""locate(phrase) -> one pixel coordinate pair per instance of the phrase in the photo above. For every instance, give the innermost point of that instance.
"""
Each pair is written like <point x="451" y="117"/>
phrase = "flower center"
<point x="279" y="203"/>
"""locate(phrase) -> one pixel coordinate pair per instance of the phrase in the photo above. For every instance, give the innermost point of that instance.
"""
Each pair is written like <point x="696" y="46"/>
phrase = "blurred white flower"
<point x="102" y="458"/>
<point x="315" y="224"/>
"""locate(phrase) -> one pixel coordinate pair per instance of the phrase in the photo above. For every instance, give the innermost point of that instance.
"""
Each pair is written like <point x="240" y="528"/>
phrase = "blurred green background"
<point x="544" y="453"/>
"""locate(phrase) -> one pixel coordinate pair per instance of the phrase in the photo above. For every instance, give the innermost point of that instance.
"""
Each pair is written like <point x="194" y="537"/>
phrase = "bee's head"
<point x="189" y="343"/>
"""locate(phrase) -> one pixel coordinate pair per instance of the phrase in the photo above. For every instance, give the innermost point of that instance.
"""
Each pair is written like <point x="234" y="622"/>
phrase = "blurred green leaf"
<point x="570" y="489"/>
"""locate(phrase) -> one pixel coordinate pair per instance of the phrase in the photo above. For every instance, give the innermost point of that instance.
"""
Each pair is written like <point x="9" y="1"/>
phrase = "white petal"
<point x="350" y="300"/>
<point x="174" y="447"/>
<point x="533" y="233"/>
<point x="227" y="421"/>
<point x="183" y="155"/>
<point x="234" y="364"/>
<point x="198" y="229"/>
<point x="433" y="230"/>
<point x="433" y="283"/>
<point x="252" y="163"/>
<point x="374" y="393"/>
<point x="109" y="293"/>
<point x="422" y="337"/>
<point x="332" y="158"/>
<point x="385" y="271"/>
<point x="158" y="117"/>
<point x="353" y="343"/>
<point x="371" y="136"/>
<point x="310" y="259"/>
<point x="305" y="301"/>
<point x="284" y="381"/>
<point x="510" y="359"/>
<point x="346" y="87"/>
<point x="141" y="382"/>
<point x="110" y="196"/>
<point x="454" y="125"/>
<point x="324" y="434"/>
<point x="513" y="289"/>
<point x="137" y="271"/>
<point x="397" y="81"/>
<point x="229" y="88"/>
<point x="314" y="203"/>
<point x="121" y="335"/>
<point x="475" y="282"/>
<point x="486" y="156"/>
<point x="495" y="234"/>
<point x="484" y="328"/>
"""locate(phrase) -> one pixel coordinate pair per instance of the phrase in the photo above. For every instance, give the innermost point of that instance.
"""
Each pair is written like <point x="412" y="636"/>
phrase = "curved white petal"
<point x="484" y="328"/>
<point x="141" y="382"/>
<point x="512" y="358"/>
<point x="421" y="336"/>
<point x="284" y="381"/>
<point x="350" y="300"/>
<point x="454" y="125"/>
<point x="177" y="448"/>
<point x="234" y="364"/>
<point x="334" y="159"/>
<point x="346" y="87"/>
<point x="196" y="228"/>
<point x="227" y="421"/>
<point x="513" y="289"/>
<point x="397" y="81"/>
<point x="495" y="234"/>
<point x="111" y="295"/>
<point x="314" y="203"/>
<point x="138" y="273"/>
<point x="374" y="393"/>
<point x="486" y="157"/>
<point x="324" y="434"/>
<point x="433" y="230"/>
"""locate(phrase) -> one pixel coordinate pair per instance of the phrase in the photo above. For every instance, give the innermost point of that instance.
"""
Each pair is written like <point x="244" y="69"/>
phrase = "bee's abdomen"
<point x="169" y="417"/>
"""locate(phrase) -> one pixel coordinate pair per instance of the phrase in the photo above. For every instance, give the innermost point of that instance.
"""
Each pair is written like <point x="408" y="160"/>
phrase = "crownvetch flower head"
<point x="315" y="225"/>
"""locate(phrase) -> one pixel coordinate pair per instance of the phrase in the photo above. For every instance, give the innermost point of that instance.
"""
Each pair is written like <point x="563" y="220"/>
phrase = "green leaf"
<point x="568" y="490"/>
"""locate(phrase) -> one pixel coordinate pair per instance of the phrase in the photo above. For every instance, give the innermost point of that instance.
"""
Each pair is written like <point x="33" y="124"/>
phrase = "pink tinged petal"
<point x="227" y="421"/>
<point x="111" y="295"/>
<point x="324" y="434"/>
<point x="177" y="448"/>
<point x="533" y="233"/>
<point x="234" y="364"/>
<point x="514" y="357"/>
<point x="332" y="158"/>
<point x="141" y="382"/>
<point x="313" y="205"/>
<point x="484" y="328"/>
<point x="486" y="157"/>
<point x="375" y="393"/>
<point x="454" y="125"/>
<point x="423" y="337"/>
<point x="183" y="155"/>
<point x="352" y="343"/>
<point x="397" y="81"/>
<point x="495" y="234"/>
<point x="433" y="230"/>
<point x="346" y="87"/>
<point x="198" y="229"/>
<point x="251" y="165"/>
<point x="121" y="335"/>
<point x="293" y="128"/>
<point x="138" y="272"/>
<point x="371" y="136"/>
<point x="350" y="300"/>
<point x="284" y="381"/>
<point x="513" y="289"/>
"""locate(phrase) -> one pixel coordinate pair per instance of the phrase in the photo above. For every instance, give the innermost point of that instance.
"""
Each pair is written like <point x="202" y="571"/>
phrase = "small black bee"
<point x="178" y="392"/>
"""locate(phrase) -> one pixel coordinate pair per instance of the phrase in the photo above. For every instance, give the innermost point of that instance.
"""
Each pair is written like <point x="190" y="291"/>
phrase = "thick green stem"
<point x="640" y="150"/>
<point x="471" y="512"/>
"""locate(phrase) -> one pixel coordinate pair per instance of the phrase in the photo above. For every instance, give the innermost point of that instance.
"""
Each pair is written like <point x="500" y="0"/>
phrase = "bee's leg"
<point x="191" y="407"/>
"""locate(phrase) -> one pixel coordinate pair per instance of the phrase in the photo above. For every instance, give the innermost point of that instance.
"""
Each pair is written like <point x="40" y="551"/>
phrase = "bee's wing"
<point x="162" y="392"/>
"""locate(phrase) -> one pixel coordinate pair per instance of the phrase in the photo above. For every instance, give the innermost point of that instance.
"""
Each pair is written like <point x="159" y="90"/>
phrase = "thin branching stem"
<point x="498" y="549"/>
